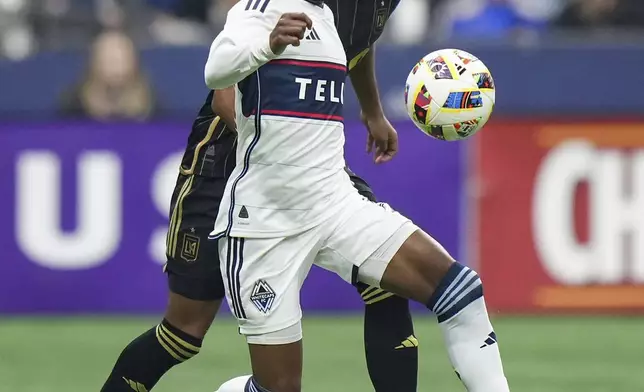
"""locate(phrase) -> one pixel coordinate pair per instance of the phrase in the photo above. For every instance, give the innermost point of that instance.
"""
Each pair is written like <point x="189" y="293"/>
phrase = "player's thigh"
<point x="365" y="239"/>
<point x="417" y="268"/>
<point x="402" y="259"/>
<point x="263" y="277"/>
<point x="195" y="282"/>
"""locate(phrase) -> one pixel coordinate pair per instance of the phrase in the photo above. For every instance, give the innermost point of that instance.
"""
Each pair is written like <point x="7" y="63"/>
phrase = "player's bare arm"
<point x="223" y="103"/>
<point x="382" y="138"/>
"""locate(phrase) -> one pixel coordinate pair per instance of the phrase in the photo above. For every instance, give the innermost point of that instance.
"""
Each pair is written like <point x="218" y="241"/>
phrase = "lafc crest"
<point x="382" y="14"/>
<point x="190" y="247"/>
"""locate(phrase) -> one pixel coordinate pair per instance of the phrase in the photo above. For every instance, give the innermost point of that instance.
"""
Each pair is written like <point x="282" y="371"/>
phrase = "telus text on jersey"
<point x="325" y="90"/>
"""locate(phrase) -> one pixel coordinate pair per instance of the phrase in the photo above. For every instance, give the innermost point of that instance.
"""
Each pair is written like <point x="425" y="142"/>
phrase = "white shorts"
<point x="263" y="276"/>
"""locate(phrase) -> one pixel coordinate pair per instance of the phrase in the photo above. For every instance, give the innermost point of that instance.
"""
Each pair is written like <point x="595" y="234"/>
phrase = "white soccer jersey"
<point x="289" y="174"/>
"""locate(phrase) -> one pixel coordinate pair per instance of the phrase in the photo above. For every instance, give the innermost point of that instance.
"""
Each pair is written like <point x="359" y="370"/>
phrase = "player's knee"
<point x="196" y="324"/>
<point x="190" y="316"/>
<point x="196" y="328"/>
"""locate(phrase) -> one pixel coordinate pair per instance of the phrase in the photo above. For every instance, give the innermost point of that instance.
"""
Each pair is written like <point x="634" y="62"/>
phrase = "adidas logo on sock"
<point x="136" y="386"/>
<point x="410" y="342"/>
<point x="491" y="339"/>
<point x="312" y="35"/>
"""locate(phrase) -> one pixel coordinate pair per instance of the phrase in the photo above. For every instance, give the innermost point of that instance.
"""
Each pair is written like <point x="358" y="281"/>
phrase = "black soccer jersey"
<point x="204" y="156"/>
<point x="360" y="23"/>
<point x="207" y="162"/>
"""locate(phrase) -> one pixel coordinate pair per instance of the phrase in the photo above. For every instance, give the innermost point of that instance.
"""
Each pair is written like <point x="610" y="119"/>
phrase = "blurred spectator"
<point x="28" y="26"/>
<point x="603" y="13"/>
<point x="114" y="87"/>
<point x="17" y="40"/>
<point x="407" y="25"/>
<point x="494" y="18"/>
<point x="181" y="22"/>
<point x="190" y="9"/>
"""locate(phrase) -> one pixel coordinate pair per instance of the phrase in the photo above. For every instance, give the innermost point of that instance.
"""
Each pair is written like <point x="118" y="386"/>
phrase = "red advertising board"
<point x="557" y="211"/>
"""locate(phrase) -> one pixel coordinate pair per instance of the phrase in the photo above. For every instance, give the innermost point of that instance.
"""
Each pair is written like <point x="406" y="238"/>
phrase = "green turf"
<point x="541" y="355"/>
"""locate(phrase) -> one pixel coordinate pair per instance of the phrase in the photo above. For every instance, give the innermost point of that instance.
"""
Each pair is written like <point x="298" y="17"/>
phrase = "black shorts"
<point x="193" y="269"/>
<point x="193" y="260"/>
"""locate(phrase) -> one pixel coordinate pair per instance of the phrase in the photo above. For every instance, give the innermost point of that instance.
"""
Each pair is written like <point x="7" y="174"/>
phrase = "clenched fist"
<point x="289" y="30"/>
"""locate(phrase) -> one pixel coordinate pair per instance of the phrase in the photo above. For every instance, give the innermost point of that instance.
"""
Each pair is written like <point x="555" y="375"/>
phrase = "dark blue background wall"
<point x="552" y="78"/>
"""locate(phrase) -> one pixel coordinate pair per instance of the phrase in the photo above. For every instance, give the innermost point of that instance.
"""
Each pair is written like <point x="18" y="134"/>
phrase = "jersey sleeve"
<point x="241" y="48"/>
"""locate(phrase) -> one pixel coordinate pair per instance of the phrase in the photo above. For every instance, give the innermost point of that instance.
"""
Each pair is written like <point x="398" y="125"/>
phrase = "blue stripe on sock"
<point x="452" y="273"/>
<point x="461" y="280"/>
<point x="459" y="287"/>
<point x="460" y="305"/>
<point x="249" y="386"/>
<point x="253" y="386"/>
<point x="473" y="280"/>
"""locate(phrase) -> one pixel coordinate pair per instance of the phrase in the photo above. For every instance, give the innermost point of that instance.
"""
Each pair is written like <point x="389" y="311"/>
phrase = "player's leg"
<point x="152" y="354"/>
<point x="391" y="348"/>
<point x="263" y="278"/>
<point x="422" y="270"/>
<point x="402" y="259"/>
<point x="196" y="292"/>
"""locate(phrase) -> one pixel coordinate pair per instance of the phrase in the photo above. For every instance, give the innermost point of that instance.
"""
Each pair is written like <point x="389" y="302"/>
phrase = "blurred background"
<point x="96" y="101"/>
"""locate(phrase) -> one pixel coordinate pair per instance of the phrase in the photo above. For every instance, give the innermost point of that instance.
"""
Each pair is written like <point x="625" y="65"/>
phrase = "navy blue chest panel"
<point x="295" y="88"/>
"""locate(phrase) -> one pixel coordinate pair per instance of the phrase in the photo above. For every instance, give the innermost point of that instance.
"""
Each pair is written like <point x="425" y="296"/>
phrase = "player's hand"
<point x="289" y="30"/>
<point x="383" y="138"/>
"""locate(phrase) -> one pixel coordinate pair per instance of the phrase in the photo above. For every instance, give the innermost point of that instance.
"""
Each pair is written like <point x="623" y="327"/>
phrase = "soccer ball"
<point x="450" y="94"/>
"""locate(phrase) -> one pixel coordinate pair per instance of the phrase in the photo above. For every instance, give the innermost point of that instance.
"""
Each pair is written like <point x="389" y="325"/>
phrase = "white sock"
<point x="473" y="349"/>
<point x="470" y="339"/>
<point x="237" y="384"/>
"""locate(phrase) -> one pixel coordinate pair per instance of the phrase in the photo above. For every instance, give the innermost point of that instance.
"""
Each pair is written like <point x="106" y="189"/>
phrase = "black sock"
<point x="390" y="345"/>
<point x="147" y="358"/>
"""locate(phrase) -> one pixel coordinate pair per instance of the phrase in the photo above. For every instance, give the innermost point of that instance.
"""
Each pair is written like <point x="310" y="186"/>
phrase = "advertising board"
<point x="84" y="208"/>
<point x="558" y="212"/>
